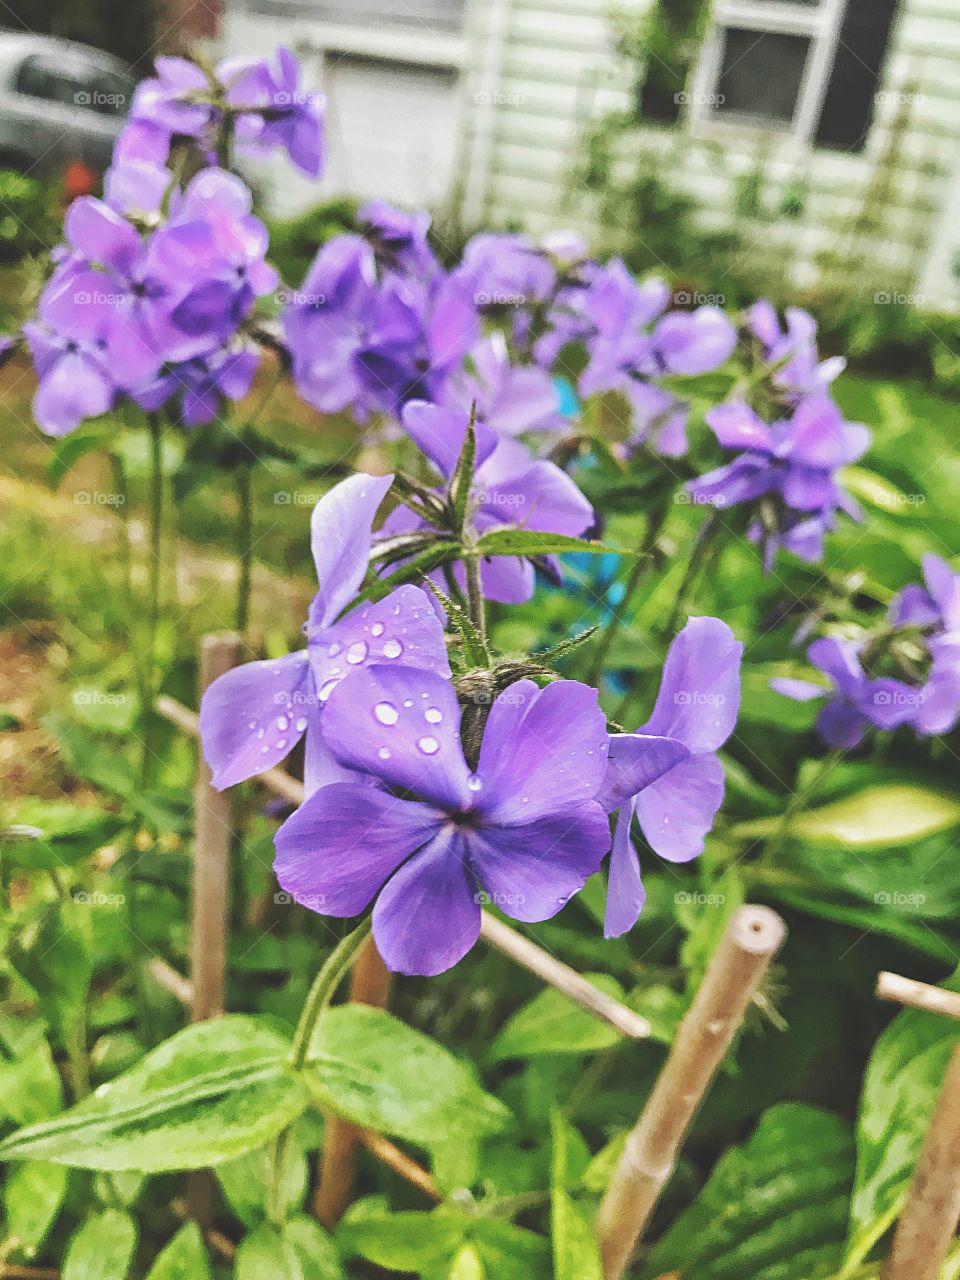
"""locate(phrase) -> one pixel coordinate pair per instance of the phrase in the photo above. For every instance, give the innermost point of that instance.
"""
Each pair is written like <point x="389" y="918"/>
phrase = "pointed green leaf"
<point x="882" y="815"/>
<point x="576" y="1254"/>
<point x="32" y="1196"/>
<point x="437" y="553"/>
<point x="184" y="1258"/>
<point x="402" y="1241"/>
<point x="208" y="1094"/>
<point x="102" y="1247"/>
<point x="462" y="480"/>
<point x="373" y="1069"/>
<point x="549" y="1023"/>
<point x="527" y="542"/>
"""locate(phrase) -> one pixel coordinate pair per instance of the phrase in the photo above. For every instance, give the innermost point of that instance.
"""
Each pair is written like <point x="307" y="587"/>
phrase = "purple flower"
<point x="253" y="716"/>
<point x="857" y="700"/>
<point x="934" y="608"/>
<point x="510" y="490"/>
<point x="433" y="840"/>
<point x="176" y="100"/>
<point x="75" y="380"/>
<point x="203" y="383"/>
<point x="797" y="370"/>
<point x="500" y="270"/>
<point x="792" y="465"/>
<point x="673" y="757"/>
<point x="694" y="342"/>
<point x="511" y="398"/>
<point x="277" y="112"/>
<point x="398" y="239"/>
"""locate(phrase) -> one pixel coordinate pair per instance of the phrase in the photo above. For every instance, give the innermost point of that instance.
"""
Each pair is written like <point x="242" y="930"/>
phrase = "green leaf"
<point x="765" y="1212"/>
<point x="527" y="542"/>
<point x="317" y="1254"/>
<point x="184" y="1258"/>
<point x="467" y="1265"/>
<point x="877" y="816"/>
<point x="599" y="1171"/>
<point x="438" y="553"/>
<point x="268" y="1255"/>
<point x="68" y="451"/>
<point x="206" y="1095"/>
<point x="462" y="480"/>
<point x="549" y="1023"/>
<point x="878" y="492"/>
<point x="244" y="1183"/>
<point x="372" y="1069"/>
<point x="48" y="834"/>
<point x="103" y="1247"/>
<point x="900" y="1087"/>
<point x="576" y="1255"/>
<point x="509" y="1252"/>
<point x="30" y="1085"/>
<point x="32" y="1196"/>
<point x="402" y="1241"/>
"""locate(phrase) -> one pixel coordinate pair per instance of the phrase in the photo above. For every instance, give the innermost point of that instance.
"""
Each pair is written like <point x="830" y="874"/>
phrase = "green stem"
<point x="244" y="548"/>
<point x="798" y="800"/>
<point x="279" y="1154"/>
<point x="324" y="987"/>
<point x="637" y="574"/>
<point x="476" y="605"/>
<point x="702" y="544"/>
<point x="150" y="682"/>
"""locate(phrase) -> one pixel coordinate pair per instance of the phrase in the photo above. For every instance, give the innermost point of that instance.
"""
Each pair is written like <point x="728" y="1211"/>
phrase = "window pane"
<point x="760" y="74"/>
<point x="851" y="93"/>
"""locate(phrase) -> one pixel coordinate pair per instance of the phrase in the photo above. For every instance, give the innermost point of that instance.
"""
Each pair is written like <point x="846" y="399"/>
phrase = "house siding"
<point x="880" y="212"/>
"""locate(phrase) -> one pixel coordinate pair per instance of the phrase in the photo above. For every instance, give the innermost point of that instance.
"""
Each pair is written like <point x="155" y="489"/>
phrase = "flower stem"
<point x="150" y="681"/>
<point x="702" y="546"/>
<point x="475" y="602"/>
<point x="324" y="987"/>
<point x="244" y="548"/>
<point x="637" y="574"/>
<point x="798" y="799"/>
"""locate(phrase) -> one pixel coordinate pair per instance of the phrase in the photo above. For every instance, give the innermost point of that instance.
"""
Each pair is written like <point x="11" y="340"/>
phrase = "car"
<point x="62" y="105"/>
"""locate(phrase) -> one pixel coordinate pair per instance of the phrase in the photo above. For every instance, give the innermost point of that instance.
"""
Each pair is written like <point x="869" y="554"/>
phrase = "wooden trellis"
<point x="753" y="936"/>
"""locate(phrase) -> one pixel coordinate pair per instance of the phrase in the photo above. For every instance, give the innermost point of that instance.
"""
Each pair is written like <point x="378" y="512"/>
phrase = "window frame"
<point x="821" y="23"/>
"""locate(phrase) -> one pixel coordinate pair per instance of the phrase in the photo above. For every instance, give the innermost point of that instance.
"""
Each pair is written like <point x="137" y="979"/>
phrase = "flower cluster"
<point x="396" y="814"/>
<point x="920" y="641"/>
<point x="786" y="471"/>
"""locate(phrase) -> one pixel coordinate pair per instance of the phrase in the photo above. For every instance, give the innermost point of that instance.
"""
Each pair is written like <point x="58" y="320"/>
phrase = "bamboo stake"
<point x="932" y="1209"/>
<point x="493" y="931"/>
<point x="369" y="984"/>
<point x="211" y="856"/>
<point x="753" y="937"/>
<point x="918" y="995"/>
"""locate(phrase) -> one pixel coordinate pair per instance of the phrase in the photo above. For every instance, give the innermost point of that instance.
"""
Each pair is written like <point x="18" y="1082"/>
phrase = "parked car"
<point x="61" y="107"/>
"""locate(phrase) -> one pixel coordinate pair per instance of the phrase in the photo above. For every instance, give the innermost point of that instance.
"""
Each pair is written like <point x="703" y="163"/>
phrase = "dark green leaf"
<point x="32" y="1196"/>
<point x="103" y="1247"/>
<point x="462" y="480"/>
<point x="526" y="542"/>
<point x="208" y="1094"/>
<point x="184" y="1258"/>
<point x="373" y="1069"/>
<point x="47" y="834"/>
<point x="68" y="451"/>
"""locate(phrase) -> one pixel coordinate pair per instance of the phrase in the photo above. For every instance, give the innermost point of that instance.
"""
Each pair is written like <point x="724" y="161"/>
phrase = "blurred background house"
<point x="735" y="142"/>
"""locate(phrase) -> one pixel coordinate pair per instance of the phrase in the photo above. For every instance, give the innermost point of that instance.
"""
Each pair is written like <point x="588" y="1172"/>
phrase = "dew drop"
<point x="301" y="724"/>
<point x="429" y="746"/>
<point x="357" y="652"/>
<point x="253" y="724"/>
<point x="326" y="689"/>
<point x="386" y="713"/>
<point x="261" y="734"/>
<point x="408" y="702"/>
<point x="335" y="671"/>
<point x="281" y="744"/>
<point x="392" y="649"/>
<point x="433" y="714"/>
<point x="474" y="783"/>
<point x="384" y="753"/>
<point x="334" y="649"/>
<point x="264" y="750"/>
<point x="377" y="629"/>
<point x="282" y="723"/>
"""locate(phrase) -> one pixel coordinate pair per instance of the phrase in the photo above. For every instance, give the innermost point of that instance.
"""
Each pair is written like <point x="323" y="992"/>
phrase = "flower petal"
<point x="635" y="761"/>
<point x="428" y="915"/>
<point x="543" y="750"/>
<point x="252" y="717"/>
<point x="699" y="693"/>
<point x="340" y="530"/>
<point x="403" y="726"/>
<point x="340" y="846"/>
<point x="677" y="811"/>
<point x="625" y="892"/>
<point x="532" y="870"/>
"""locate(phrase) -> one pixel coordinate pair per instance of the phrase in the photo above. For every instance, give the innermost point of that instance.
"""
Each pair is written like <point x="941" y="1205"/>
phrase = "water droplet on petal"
<point x="334" y="649"/>
<point x="282" y="723"/>
<point x="253" y="724"/>
<point x="429" y="746"/>
<point x="408" y="702"/>
<point x="433" y="714"/>
<point x="335" y="671"/>
<point x="281" y="744"/>
<point x="392" y="649"/>
<point x="474" y="783"/>
<point x="384" y="753"/>
<point x="386" y="713"/>
<point x="377" y="629"/>
<point x="357" y="652"/>
<point x="326" y="689"/>
<point x="261" y="734"/>
<point x="301" y="724"/>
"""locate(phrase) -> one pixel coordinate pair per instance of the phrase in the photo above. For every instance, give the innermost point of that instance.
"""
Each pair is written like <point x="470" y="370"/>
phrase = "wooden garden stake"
<point x="932" y="1209"/>
<point x="752" y="939"/>
<point x="211" y="856"/>
<point x="369" y="984"/>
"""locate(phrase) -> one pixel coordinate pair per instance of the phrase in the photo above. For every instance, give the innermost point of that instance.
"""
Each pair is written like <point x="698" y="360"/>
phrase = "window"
<point x="805" y="67"/>
<point x="437" y="15"/>
<point x="89" y="87"/>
